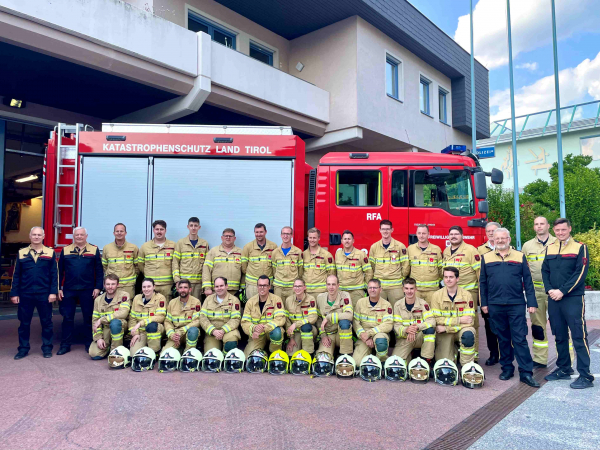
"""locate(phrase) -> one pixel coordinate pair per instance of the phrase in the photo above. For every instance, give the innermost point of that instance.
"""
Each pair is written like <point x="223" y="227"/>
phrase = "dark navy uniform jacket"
<point x="80" y="268"/>
<point x="565" y="267"/>
<point x="35" y="272"/>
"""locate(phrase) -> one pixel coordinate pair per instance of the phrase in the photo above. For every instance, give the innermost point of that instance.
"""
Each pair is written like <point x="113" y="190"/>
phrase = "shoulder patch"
<point x="347" y="301"/>
<point x="279" y="305"/>
<point x="237" y="306"/>
<point x="124" y="298"/>
<point x="366" y="259"/>
<point x="426" y="306"/>
<point x="197" y="307"/>
<point x="477" y="257"/>
<point x="162" y="304"/>
<point x="330" y="260"/>
<point x="471" y="304"/>
<point x="389" y="310"/>
<point x="585" y="261"/>
<point x="312" y="304"/>
<point x="404" y="251"/>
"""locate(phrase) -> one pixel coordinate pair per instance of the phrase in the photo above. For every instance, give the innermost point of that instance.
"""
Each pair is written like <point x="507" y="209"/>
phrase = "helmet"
<point x="168" y="361"/>
<point x="257" y="361"/>
<point x="278" y="362"/>
<point x="190" y="360"/>
<point x="472" y="376"/>
<point x="119" y="358"/>
<point x="370" y="368"/>
<point x="234" y="361"/>
<point x="143" y="359"/>
<point x="445" y="372"/>
<point x="345" y="366"/>
<point x="212" y="360"/>
<point x="300" y="363"/>
<point x="418" y="371"/>
<point x="323" y="364"/>
<point x="395" y="369"/>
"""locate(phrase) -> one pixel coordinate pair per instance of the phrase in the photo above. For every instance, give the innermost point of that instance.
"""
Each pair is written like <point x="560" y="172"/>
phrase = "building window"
<point x="392" y="70"/>
<point x="590" y="146"/>
<point x="451" y="192"/>
<point x="261" y="53"/>
<point x="424" y="96"/>
<point x="359" y="188"/>
<point x="197" y="23"/>
<point x="443" y="101"/>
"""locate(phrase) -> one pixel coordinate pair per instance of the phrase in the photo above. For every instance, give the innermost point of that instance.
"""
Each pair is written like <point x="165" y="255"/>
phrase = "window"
<point x="443" y="99"/>
<point x="197" y="23"/>
<point x="451" y="192"/>
<point x="359" y="188"/>
<point x="261" y="53"/>
<point x="399" y="188"/>
<point x="590" y="146"/>
<point x="392" y="68"/>
<point x="424" y="96"/>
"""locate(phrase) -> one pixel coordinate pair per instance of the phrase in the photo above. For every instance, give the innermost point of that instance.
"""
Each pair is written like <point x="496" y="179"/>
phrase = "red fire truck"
<point x="231" y="176"/>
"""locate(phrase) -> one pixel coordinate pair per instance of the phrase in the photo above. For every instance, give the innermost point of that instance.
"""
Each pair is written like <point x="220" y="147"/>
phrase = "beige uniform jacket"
<point x="301" y="313"/>
<point x="118" y="308"/>
<point x="317" y="268"/>
<point x="122" y="261"/>
<point x="224" y="316"/>
<point x="182" y="317"/>
<point x="153" y="311"/>
<point x="390" y="265"/>
<point x="340" y="310"/>
<point x="189" y="260"/>
<point x="535" y="252"/>
<point x="373" y="319"/>
<point x="156" y="262"/>
<point x="448" y="313"/>
<point x="420" y="315"/>
<point x="286" y="268"/>
<point x="467" y="260"/>
<point x="425" y="266"/>
<point x="257" y="262"/>
<point x="219" y="263"/>
<point x="354" y="271"/>
<point x="272" y="316"/>
<point x="485" y="248"/>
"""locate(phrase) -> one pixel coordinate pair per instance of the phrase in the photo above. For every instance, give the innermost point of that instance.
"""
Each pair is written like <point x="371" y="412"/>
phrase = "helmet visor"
<point x="446" y="376"/>
<point x="370" y="373"/>
<point x="116" y="362"/>
<point x="472" y="380"/>
<point x="395" y="374"/>
<point x="277" y="367"/>
<point x="169" y="365"/>
<point x="344" y="370"/>
<point x="419" y="375"/>
<point x="234" y="365"/>
<point x="299" y="367"/>
<point x="211" y="365"/>
<point x="255" y="364"/>
<point x="188" y="365"/>
<point x="141" y="363"/>
<point x="323" y="368"/>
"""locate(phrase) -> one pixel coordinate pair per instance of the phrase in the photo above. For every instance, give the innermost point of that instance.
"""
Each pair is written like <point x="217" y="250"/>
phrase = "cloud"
<point x="531" y="26"/>
<point x="532" y="67"/>
<point x="577" y="84"/>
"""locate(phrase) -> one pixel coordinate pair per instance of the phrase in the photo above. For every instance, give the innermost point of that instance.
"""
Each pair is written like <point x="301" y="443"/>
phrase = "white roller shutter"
<point x="223" y="193"/>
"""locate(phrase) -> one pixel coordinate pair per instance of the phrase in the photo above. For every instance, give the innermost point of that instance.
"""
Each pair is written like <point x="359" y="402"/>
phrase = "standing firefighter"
<point x="155" y="260"/>
<point x="425" y="261"/>
<point x="121" y="258"/>
<point x="223" y="261"/>
<point x="318" y="264"/>
<point x="190" y="254"/>
<point x="256" y="259"/>
<point x="287" y="264"/>
<point x="353" y="268"/>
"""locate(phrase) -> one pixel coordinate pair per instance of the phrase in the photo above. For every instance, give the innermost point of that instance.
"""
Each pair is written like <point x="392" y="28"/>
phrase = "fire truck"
<point x="235" y="177"/>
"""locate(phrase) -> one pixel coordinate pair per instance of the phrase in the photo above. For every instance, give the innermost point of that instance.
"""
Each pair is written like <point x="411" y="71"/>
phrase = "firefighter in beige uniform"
<point x="223" y="261"/>
<point x="220" y="318"/>
<point x="390" y="263"/>
<point x="335" y="319"/>
<point x="425" y="261"/>
<point x="190" y="253"/>
<point x="318" y="264"/>
<point x="287" y="265"/>
<point x="414" y="324"/>
<point x="301" y="318"/>
<point x="353" y="268"/>
<point x="264" y="319"/>
<point x="155" y="260"/>
<point x="121" y="258"/>
<point x="373" y="321"/>
<point x="256" y="259"/>
<point x="182" y="324"/>
<point x="146" y="318"/>
<point x="109" y="318"/>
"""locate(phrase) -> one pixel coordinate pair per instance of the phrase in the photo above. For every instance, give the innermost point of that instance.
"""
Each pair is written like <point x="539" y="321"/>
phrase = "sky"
<point x="578" y="33"/>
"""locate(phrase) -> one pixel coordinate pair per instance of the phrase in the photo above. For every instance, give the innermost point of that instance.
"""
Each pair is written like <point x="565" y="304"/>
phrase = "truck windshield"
<point x="451" y="192"/>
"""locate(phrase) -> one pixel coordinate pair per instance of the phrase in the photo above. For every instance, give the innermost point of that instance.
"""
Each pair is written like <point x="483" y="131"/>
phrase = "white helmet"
<point x="119" y="358"/>
<point x="418" y="371"/>
<point x="190" y="360"/>
<point x="472" y="376"/>
<point x="168" y="361"/>
<point x="143" y="360"/>
<point x="212" y="361"/>
<point x="234" y="361"/>
<point x="370" y="368"/>
<point x="445" y="372"/>
<point x="395" y="369"/>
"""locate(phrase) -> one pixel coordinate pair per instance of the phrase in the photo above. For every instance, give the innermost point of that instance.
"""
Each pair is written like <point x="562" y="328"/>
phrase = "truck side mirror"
<point x="484" y="207"/>
<point x="480" y="185"/>
<point x="497" y="176"/>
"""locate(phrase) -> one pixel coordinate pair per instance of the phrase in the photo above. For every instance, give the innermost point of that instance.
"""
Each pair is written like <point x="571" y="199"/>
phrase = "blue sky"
<point x="578" y="29"/>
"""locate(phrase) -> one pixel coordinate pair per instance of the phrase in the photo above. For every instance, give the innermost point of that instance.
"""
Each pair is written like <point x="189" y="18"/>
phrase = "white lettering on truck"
<point x="373" y="216"/>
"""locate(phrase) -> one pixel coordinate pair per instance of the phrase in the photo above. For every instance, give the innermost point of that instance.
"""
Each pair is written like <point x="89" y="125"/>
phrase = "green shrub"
<point x="592" y="239"/>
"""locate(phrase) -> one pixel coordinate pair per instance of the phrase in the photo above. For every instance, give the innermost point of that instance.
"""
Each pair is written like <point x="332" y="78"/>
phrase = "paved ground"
<point x="71" y="402"/>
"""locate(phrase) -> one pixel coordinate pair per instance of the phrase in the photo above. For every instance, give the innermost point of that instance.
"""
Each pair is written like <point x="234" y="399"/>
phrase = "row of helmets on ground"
<point x="445" y="372"/>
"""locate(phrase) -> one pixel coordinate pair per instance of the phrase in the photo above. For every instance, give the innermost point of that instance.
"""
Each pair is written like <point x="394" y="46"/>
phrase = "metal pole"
<point x="561" y="177"/>
<point x="514" y="131"/>
<point x="473" y="122"/>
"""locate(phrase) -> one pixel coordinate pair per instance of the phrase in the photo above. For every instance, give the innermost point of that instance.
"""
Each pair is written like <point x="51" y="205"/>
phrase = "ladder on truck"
<point x="65" y="152"/>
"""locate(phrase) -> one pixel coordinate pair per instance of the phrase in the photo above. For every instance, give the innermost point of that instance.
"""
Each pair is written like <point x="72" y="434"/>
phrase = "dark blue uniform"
<point x="565" y="268"/>
<point x="501" y="284"/>
<point x="35" y="278"/>
<point x="80" y="271"/>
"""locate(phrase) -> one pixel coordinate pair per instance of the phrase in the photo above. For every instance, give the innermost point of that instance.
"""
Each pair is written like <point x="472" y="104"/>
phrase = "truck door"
<point x="398" y="204"/>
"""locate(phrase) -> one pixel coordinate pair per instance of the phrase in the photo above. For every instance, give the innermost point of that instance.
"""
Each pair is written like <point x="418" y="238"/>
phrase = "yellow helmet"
<point x="278" y="362"/>
<point x="301" y="363"/>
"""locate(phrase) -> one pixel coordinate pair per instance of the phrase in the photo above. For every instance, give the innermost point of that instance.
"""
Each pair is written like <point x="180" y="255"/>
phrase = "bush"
<point x="592" y="239"/>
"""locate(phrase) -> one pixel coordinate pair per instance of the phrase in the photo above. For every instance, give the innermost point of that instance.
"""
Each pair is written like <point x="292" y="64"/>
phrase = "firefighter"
<point x="256" y="259"/>
<point x="182" y="324"/>
<point x="110" y="318"/>
<point x="389" y="260"/>
<point x="454" y="311"/>
<point x="146" y="318"/>
<point x="263" y="319"/>
<point x="335" y="314"/>
<point x="414" y="324"/>
<point x="535" y="251"/>
<point x="121" y="258"/>
<point x="287" y="265"/>
<point x="35" y="285"/>
<point x="564" y="270"/>
<point x="155" y="260"/>
<point x="488" y="246"/>
<point x="80" y="279"/>
<point x="504" y="273"/>
<point x="301" y="318"/>
<point x="425" y="261"/>
<point x="353" y="268"/>
<point x="467" y="260"/>
<point x="223" y="261"/>
<point x="318" y="264"/>
<point x="220" y="318"/>
<point x="189" y="256"/>
<point x="373" y="321"/>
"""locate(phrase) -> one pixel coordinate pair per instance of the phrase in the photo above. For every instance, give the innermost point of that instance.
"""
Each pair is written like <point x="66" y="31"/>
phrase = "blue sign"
<point x="486" y="152"/>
